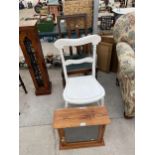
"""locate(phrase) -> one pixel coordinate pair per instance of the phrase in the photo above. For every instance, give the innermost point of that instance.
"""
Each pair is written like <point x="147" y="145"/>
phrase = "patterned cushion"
<point x="124" y="29"/>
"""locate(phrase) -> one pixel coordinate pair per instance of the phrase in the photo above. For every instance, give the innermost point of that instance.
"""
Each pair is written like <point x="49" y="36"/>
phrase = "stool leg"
<point x="101" y="134"/>
<point x="61" y="133"/>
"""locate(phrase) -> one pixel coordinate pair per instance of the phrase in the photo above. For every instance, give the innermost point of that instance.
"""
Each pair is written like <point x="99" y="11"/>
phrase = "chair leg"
<point x="63" y="79"/>
<point x="117" y="82"/>
<point x="66" y="104"/>
<point x="99" y="103"/>
<point x="96" y="73"/>
<point x="102" y="101"/>
<point x="22" y="84"/>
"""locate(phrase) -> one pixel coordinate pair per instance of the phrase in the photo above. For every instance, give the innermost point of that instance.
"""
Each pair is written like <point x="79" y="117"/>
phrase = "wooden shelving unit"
<point x="32" y="51"/>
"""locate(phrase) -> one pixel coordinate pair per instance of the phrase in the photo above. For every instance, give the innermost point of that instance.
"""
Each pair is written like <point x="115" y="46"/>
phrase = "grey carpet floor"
<point x="38" y="110"/>
<point x="37" y="137"/>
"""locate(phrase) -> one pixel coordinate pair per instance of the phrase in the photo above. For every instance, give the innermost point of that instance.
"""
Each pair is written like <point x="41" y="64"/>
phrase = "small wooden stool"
<point x="79" y="117"/>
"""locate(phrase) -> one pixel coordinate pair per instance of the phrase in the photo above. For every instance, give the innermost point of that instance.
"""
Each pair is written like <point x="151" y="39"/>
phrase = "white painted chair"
<point x="81" y="90"/>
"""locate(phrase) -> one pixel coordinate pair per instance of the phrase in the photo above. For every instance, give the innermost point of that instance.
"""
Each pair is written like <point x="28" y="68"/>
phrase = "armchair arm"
<point x="126" y="59"/>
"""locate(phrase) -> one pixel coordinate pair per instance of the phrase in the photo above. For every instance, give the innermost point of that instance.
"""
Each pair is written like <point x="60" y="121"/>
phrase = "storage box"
<point x="45" y="26"/>
<point x="81" y="126"/>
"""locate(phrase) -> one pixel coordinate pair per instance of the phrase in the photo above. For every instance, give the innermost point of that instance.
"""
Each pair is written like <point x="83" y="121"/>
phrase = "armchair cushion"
<point x="124" y="29"/>
<point x="126" y="58"/>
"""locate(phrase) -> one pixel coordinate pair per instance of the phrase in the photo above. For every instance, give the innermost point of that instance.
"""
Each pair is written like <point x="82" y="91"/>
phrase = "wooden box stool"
<point x="81" y="117"/>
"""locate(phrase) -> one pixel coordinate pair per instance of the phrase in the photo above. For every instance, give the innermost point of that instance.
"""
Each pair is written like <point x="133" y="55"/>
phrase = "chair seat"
<point x="83" y="90"/>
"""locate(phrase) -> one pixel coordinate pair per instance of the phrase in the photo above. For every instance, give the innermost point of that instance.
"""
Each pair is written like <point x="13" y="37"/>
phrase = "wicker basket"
<point x="72" y="7"/>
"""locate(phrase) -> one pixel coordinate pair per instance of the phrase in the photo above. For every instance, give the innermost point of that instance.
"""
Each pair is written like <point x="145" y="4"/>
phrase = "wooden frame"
<point x="77" y="117"/>
<point x="71" y="7"/>
<point x="69" y="145"/>
<point x="73" y="18"/>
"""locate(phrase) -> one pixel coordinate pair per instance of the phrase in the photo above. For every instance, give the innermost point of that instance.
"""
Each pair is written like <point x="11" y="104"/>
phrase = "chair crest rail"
<point x="61" y="43"/>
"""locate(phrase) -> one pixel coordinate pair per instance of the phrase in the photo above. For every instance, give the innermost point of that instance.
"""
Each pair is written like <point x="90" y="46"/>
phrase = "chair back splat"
<point x="90" y="39"/>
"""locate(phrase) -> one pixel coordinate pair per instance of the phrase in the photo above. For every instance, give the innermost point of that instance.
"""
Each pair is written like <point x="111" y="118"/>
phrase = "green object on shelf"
<point x="45" y="26"/>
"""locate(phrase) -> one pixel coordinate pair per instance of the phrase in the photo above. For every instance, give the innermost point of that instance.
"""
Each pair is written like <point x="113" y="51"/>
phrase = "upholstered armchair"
<point x="124" y="36"/>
